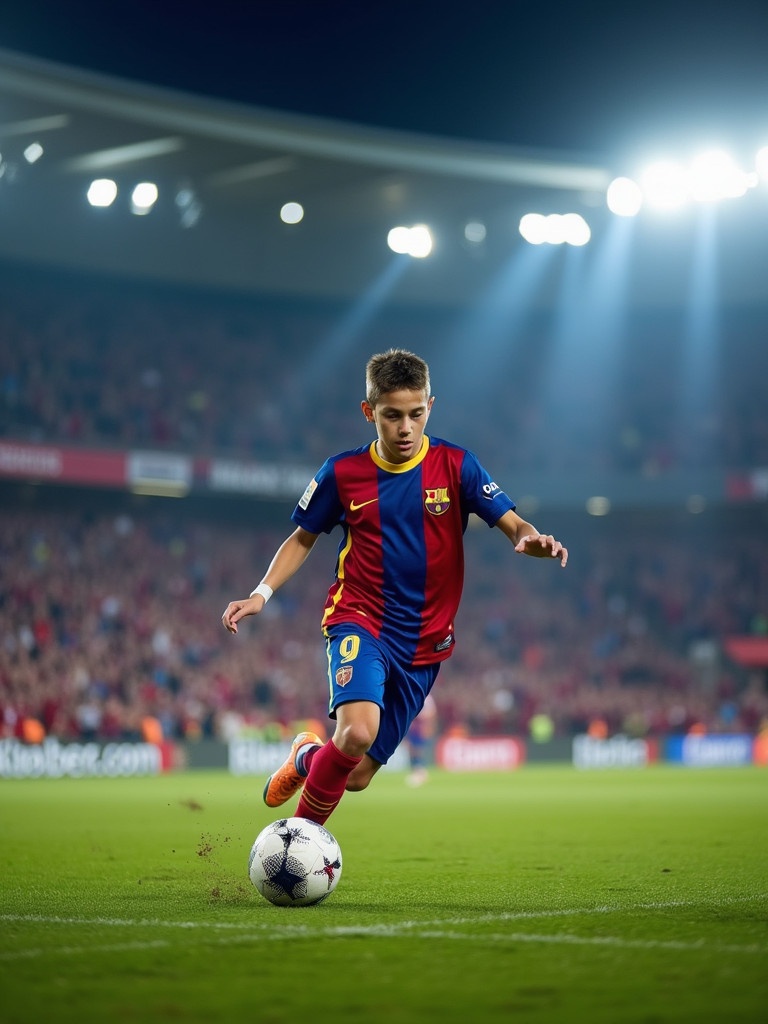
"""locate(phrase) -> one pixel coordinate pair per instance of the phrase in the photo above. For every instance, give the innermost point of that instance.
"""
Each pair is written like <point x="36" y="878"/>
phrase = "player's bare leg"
<point x="360" y="777"/>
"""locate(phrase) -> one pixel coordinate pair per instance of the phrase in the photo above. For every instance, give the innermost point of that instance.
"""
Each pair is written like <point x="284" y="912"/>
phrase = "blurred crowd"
<point x="104" y="365"/>
<point x="110" y="613"/>
<point x="110" y="629"/>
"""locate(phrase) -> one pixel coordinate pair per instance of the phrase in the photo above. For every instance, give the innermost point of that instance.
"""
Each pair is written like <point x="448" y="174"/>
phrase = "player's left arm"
<point x="528" y="540"/>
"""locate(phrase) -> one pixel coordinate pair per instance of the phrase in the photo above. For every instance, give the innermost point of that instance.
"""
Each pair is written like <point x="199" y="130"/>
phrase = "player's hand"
<point x="237" y="610"/>
<point x="542" y="545"/>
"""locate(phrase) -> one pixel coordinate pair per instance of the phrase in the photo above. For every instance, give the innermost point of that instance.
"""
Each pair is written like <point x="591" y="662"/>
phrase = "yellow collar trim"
<point x="400" y="467"/>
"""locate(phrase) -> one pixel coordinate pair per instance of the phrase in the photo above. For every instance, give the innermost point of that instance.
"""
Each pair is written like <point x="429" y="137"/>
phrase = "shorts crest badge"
<point x="343" y="675"/>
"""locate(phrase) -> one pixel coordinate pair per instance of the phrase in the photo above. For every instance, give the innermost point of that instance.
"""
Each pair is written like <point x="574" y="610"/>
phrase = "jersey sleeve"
<point x="319" y="508"/>
<point x="480" y="493"/>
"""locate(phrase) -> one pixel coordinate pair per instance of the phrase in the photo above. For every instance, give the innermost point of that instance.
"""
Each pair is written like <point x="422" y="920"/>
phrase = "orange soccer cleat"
<point x="287" y="780"/>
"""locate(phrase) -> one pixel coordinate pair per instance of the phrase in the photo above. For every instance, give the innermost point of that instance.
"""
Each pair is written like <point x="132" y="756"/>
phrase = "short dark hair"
<point x="395" y="370"/>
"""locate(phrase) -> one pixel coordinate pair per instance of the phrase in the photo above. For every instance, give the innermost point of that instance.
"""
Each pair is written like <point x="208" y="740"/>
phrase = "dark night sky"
<point x="582" y="77"/>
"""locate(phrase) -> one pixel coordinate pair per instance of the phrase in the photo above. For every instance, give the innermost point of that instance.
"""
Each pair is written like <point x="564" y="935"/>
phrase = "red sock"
<point x="329" y="770"/>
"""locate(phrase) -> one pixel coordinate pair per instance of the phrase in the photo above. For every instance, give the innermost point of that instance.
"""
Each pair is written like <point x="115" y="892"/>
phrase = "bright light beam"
<point x="577" y="395"/>
<point x="491" y="330"/>
<point x="698" y="379"/>
<point x="329" y="354"/>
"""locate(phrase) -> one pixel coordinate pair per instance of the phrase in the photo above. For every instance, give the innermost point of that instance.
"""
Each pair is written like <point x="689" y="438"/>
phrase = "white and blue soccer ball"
<point x="295" y="862"/>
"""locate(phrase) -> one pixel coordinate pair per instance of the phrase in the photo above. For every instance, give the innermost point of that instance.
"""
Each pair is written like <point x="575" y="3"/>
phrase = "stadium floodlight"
<point x="415" y="241"/>
<point x="420" y="242"/>
<point x="665" y="185"/>
<point x="533" y="228"/>
<point x="555" y="229"/>
<point x="398" y="240"/>
<point x="714" y="175"/>
<point x="33" y="152"/>
<point x="143" y="197"/>
<point x="575" y="230"/>
<point x="624" y="197"/>
<point x="102" y="192"/>
<point x="291" y="213"/>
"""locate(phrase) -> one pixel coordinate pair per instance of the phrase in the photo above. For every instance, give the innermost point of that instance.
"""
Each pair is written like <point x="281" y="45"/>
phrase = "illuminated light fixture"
<point x="415" y="241"/>
<point x="714" y="175"/>
<point x="555" y="229"/>
<point x="33" y="152"/>
<point x="761" y="164"/>
<point x="624" y="197"/>
<point x="598" y="506"/>
<point x="143" y="197"/>
<point x="291" y="213"/>
<point x="533" y="228"/>
<point x="475" y="232"/>
<point x="102" y="192"/>
<point x="665" y="185"/>
<point x="574" y="229"/>
<point x="421" y="242"/>
<point x="398" y="240"/>
<point x="710" y="177"/>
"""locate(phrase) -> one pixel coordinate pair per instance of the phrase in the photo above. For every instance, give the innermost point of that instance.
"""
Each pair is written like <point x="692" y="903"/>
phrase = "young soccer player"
<point x="402" y="503"/>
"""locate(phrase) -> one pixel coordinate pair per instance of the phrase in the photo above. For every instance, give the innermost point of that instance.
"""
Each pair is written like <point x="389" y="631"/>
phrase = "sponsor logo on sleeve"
<point x="307" y="495"/>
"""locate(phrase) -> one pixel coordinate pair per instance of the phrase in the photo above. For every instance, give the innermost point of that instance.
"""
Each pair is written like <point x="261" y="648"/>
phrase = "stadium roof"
<point x="225" y="170"/>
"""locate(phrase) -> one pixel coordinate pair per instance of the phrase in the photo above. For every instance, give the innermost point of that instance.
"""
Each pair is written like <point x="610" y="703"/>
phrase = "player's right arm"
<point x="288" y="559"/>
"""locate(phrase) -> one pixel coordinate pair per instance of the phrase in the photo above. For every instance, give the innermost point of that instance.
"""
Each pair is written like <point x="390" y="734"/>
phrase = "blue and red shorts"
<point x="360" y="667"/>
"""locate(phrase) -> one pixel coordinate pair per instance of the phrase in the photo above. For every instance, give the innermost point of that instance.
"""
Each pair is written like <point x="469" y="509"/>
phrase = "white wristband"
<point x="263" y="590"/>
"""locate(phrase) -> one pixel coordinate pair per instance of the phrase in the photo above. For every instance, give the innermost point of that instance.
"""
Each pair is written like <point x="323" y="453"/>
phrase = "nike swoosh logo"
<point x="353" y="506"/>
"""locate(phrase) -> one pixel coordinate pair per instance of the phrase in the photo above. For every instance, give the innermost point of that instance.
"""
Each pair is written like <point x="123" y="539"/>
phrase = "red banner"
<point x="62" y="465"/>
<point x="750" y="651"/>
<point x="479" y="754"/>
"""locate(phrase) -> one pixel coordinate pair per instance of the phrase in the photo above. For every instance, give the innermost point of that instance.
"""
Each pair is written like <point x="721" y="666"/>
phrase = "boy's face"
<point x="400" y="418"/>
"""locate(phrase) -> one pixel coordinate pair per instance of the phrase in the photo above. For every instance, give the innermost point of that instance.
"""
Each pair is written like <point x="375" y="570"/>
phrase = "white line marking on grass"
<point x="251" y="931"/>
<point x="520" y="915"/>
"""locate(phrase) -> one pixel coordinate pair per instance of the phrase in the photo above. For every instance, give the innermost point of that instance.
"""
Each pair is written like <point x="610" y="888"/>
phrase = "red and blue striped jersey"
<point x="400" y="566"/>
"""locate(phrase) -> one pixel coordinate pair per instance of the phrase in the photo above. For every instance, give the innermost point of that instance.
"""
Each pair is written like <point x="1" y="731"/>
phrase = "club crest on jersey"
<point x="436" y="500"/>
<point x="343" y="675"/>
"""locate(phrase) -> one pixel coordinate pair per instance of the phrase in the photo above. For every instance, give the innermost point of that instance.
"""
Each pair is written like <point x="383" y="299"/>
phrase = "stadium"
<point x="190" y="288"/>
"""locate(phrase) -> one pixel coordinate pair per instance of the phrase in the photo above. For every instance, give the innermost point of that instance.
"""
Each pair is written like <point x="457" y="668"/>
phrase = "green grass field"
<point x="544" y="895"/>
